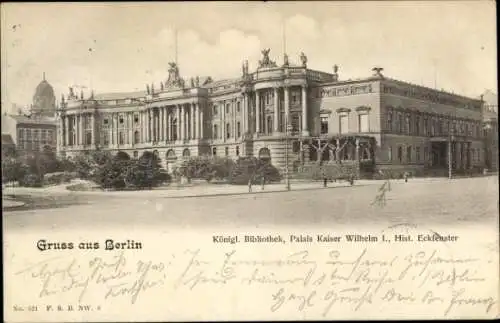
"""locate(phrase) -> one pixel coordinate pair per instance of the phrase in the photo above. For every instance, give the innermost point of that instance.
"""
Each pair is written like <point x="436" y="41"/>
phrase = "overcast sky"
<point x="121" y="47"/>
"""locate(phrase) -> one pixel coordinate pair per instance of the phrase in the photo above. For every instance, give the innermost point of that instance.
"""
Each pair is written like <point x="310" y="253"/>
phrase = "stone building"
<point x="490" y="120"/>
<point x="285" y="113"/>
<point x="36" y="128"/>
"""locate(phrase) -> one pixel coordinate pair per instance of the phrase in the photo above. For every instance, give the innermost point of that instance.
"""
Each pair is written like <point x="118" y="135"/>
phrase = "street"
<point x="469" y="201"/>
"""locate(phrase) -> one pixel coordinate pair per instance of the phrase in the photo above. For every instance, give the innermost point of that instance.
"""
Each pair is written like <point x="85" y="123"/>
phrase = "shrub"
<point x="253" y="169"/>
<point x="32" y="180"/>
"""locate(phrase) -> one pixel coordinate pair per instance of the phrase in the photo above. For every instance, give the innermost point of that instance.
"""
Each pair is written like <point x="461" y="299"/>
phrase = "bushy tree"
<point x="87" y="163"/>
<point x="255" y="170"/>
<point x="207" y="168"/>
<point x="13" y="169"/>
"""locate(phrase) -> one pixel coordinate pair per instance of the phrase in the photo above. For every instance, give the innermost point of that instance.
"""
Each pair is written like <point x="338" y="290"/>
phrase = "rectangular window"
<point x="417" y="125"/>
<point x="389" y="121"/>
<point x="136" y="118"/>
<point x="228" y="130"/>
<point x="344" y="124"/>
<point x="295" y="97"/>
<point x="324" y="125"/>
<point x="238" y="106"/>
<point x="363" y="123"/>
<point x="426" y="154"/>
<point x="389" y="153"/>
<point x="227" y="151"/>
<point x="228" y="106"/>
<point x="417" y="153"/>
<point x="238" y="129"/>
<point x="401" y="123"/>
<point x="408" y="154"/>
<point x="215" y="110"/>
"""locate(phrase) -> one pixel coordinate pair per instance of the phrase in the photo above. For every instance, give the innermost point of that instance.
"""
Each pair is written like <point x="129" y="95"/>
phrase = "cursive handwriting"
<point x="320" y="283"/>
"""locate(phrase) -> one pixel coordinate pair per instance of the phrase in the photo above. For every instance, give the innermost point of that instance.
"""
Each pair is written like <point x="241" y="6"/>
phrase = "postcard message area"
<point x="334" y="274"/>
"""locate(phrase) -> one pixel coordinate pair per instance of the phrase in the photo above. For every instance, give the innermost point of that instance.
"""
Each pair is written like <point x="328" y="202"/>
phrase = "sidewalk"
<point x="206" y="190"/>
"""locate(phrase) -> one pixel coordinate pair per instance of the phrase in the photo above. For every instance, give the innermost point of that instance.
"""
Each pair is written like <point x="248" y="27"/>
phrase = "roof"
<point x="7" y="140"/>
<point x="119" y="95"/>
<point x="29" y="119"/>
<point x="44" y="89"/>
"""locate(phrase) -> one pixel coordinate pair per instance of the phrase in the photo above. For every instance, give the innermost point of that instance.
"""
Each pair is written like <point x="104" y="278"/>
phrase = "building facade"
<point x="289" y="114"/>
<point x="36" y="129"/>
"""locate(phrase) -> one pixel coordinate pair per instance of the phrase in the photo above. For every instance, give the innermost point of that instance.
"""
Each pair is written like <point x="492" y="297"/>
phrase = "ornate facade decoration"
<point x="303" y="59"/>
<point x="266" y="62"/>
<point x="174" y="79"/>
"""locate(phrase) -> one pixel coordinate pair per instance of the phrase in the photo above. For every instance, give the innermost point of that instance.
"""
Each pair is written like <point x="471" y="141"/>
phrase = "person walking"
<point x="262" y="183"/>
<point x="249" y="185"/>
<point x="325" y="181"/>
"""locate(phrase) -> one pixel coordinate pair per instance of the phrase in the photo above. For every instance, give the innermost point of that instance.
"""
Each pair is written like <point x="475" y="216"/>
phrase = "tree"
<point x="253" y="169"/>
<point x="13" y="169"/>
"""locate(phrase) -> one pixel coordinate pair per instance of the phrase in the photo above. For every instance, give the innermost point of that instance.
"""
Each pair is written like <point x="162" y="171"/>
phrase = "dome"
<point x="44" y="89"/>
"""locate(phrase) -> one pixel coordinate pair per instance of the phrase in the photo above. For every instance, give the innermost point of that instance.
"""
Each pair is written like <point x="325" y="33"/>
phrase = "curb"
<point x="256" y="192"/>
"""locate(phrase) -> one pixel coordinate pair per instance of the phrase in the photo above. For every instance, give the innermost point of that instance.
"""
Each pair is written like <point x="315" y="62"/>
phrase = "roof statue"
<point x="152" y="88"/>
<point x="162" y="87"/>
<point x="377" y="71"/>
<point x="62" y="98"/>
<point x="71" y="94"/>
<point x="266" y="62"/>
<point x="81" y="94"/>
<point x="148" y="90"/>
<point x="285" y="60"/>
<point x="192" y="82"/>
<point x="92" y="94"/>
<point x="335" y="72"/>
<point x="197" y="81"/>
<point x="303" y="59"/>
<point x="174" y="79"/>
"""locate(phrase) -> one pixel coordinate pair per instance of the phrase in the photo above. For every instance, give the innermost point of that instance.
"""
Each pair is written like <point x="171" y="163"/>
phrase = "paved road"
<point x="439" y="202"/>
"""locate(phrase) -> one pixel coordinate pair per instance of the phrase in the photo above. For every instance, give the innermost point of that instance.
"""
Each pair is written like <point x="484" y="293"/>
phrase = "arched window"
<point x="400" y="154"/>
<point x="214" y="151"/>
<point x="170" y="155"/>
<point x="186" y="153"/>
<point x="136" y="154"/>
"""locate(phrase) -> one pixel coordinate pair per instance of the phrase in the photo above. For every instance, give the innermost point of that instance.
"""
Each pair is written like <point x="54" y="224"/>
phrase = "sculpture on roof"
<point x="152" y="88"/>
<point x="285" y="60"/>
<point x="335" y="72"/>
<point x="62" y="98"/>
<point x="162" y="87"/>
<point x="192" y="82"/>
<point x="266" y="61"/>
<point x="377" y="71"/>
<point x="197" y="81"/>
<point x="303" y="59"/>
<point x="81" y="95"/>
<point x="147" y="89"/>
<point x="71" y="93"/>
<point x="174" y="79"/>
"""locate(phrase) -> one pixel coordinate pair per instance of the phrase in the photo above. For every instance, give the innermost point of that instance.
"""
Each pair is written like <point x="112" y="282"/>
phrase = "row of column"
<point x="259" y="115"/>
<point x="77" y="129"/>
<point x="169" y="123"/>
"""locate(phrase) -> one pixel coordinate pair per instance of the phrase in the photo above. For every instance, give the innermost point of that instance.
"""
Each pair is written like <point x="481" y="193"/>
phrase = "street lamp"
<point x="287" y="177"/>
<point x="450" y="141"/>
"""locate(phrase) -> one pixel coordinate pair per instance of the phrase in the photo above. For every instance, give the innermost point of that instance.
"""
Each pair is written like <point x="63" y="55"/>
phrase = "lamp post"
<point x="450" y="155"/>
<point x="287" y="177"/>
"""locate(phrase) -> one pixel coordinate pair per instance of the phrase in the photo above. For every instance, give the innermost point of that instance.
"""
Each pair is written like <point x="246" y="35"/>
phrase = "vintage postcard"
<point x="218" y="161"/>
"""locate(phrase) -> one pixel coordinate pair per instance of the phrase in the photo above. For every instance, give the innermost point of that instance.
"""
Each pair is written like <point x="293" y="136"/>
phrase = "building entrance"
<point x="439" y="155"/>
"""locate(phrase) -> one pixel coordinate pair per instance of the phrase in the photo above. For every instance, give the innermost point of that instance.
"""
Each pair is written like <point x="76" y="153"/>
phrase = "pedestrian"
<point x="262" y="182"/>
<point x="325" y="181"/>
<point x="249" y="185"/>
<point x="406" y="177"/>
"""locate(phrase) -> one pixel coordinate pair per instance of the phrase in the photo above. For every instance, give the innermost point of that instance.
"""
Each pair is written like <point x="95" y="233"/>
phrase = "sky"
<point x="121" y="47"/>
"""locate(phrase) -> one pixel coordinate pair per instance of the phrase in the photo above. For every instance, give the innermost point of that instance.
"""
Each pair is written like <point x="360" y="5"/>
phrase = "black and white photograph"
<point x="209" y="161"/>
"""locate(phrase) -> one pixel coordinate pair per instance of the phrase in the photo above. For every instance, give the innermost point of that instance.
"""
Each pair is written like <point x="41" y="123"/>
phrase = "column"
<point x="235" y="135"/>
<point x="196" y="110"/>
<point x="148" y="127"/>
<point x="66" y="131"/>
<point x="80" y="125"/>
<point x="143" y="126"/>
<point x="93" y="128"/>
<point x="167" y="124"/>
<point x="181" y="122"/>
<point x="223" y="128"/>
<point x="202" y="124"/>
<point x="287" y="107"/>
<point x="276" y="111"/>
<point x="257" y="112"/>
<point x="191" y="120"/>
<point x="305" y="130"/>
<point x="178" y="122"/>
<point x="245" y="113"/>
